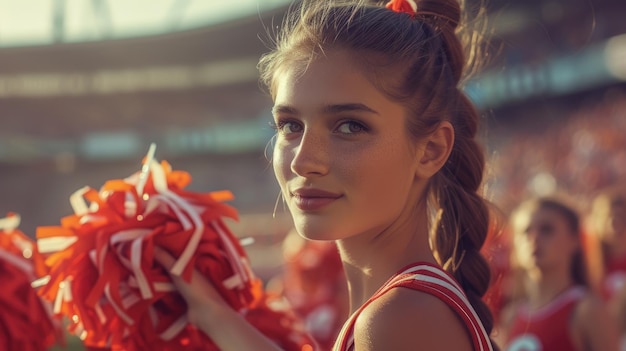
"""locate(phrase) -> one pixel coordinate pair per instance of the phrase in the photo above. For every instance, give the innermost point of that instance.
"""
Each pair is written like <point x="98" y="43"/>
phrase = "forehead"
<point x="547" y="215"/>
<point x="330" y="78"/>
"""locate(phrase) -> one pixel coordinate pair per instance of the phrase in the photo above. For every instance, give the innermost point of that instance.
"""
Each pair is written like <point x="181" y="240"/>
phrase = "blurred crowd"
<point x="557" y="247"/>
<point x="577" y="153"/>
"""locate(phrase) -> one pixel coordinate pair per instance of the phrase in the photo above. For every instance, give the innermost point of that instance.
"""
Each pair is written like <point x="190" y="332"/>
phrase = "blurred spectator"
<point x="607" y="222"/>
<point x="607" y="226"/>
<point x="557" y="311"/>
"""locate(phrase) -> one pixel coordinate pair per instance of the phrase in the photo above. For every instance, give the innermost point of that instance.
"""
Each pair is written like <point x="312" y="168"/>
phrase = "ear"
<point x="437" y="148"/>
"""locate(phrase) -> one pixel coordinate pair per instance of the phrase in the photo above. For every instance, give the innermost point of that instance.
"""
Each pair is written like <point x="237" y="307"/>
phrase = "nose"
<point x="311" y="156"/>
<point x="533" y="237"/>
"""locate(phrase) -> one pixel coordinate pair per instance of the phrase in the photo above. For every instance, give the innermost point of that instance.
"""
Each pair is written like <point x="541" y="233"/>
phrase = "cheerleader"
<point x="559" y="311"/>
<point x="375" y="149"/>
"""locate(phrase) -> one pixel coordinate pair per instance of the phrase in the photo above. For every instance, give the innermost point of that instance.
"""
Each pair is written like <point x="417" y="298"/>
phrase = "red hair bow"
<point x="405" y="6"/>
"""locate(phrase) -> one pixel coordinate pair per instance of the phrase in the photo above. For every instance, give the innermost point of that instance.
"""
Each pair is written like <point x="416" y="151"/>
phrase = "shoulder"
<point x="588" y="307"/>
<point x="404" y="318"/>
<point x="592" y="324"/>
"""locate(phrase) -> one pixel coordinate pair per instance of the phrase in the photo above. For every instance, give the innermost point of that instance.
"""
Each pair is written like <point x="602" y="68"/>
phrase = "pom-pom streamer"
<point x="22" y="313"/>
<point x="101" y="273"/>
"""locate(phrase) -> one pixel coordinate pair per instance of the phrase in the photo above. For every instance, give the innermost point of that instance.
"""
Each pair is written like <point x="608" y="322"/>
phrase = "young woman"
<point x="607" y="251"/>
<point x="559" y="312"/>
<point x="608" y="226"/>
<point x="375" y="149"/>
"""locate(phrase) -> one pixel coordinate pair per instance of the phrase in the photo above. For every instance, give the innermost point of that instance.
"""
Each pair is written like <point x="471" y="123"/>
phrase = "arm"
<point x="211" y="314"/>
<point x="408" y="320"/>
<point x="594" y="325"/>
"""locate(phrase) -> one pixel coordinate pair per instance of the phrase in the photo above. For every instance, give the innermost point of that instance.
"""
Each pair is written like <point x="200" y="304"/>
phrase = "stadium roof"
<point x="42" y="22"/>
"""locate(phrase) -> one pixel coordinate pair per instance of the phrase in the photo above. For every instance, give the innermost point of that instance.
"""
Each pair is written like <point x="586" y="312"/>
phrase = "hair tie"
<point x="403" y="6"/>
<point x="410" y="7"/>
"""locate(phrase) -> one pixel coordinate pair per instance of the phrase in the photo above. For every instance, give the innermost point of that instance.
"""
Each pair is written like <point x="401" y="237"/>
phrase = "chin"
<point x="311" y="230"/>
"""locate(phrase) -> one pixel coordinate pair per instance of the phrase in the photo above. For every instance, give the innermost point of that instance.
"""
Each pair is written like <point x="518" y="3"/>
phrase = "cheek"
<point x="618" y="224"/>
<point x="522" y="247"/>
<point x="389" y="171"/>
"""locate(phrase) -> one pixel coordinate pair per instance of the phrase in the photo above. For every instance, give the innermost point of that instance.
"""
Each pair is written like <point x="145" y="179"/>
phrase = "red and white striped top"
<point x="431" y="279"/>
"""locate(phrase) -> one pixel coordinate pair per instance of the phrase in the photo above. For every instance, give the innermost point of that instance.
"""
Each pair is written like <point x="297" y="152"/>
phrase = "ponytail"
<point x="463" y="220"/>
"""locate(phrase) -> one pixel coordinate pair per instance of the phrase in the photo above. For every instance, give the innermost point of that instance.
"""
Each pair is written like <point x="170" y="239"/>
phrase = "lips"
<point x="309" y="199"/>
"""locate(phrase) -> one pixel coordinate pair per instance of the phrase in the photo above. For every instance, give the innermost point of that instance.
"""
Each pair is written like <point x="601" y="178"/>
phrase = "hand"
<point x="201" y="296"/>
<point x="209" y="312"/>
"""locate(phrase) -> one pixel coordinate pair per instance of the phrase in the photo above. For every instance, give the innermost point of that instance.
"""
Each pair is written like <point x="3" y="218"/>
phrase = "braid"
<point x="463" y="221"/>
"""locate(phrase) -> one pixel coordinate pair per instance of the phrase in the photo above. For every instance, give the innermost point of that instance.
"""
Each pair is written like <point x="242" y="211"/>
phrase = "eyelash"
<point x="280" y="124"/>
<point x="363" y="128"/>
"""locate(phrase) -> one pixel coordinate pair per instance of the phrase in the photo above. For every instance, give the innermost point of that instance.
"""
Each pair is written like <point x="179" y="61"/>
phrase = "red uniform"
<point x="615" y="277"/>
<point x="547" y="328"/>
<point x="431" y="279"/>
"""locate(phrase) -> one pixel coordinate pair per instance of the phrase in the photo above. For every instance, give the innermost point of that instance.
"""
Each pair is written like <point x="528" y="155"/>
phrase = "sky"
<point x="31" y="22"/>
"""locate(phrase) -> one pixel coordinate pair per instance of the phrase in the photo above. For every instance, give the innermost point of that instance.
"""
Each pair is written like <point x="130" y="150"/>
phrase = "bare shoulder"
<point x="403" y="319"/>
<point x="590" y="306"/>
<point x="593" y="325"/>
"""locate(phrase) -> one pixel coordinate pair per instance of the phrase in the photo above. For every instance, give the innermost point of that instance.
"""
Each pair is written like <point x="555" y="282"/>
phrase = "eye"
<point x="351" y="127"/>
<point x="287" y="127"/>
<point x="547" y="229"/>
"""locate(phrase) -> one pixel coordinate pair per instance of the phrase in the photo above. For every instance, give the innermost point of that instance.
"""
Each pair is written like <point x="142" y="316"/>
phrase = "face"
<point x="617" y="222"/>
<point x="545" y="241"/>
<point x="614" y="233"/>
<point x="343" y="157"/>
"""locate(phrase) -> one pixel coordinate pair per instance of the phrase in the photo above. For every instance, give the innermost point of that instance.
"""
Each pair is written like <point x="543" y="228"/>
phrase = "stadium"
<point x="82" y="100"/>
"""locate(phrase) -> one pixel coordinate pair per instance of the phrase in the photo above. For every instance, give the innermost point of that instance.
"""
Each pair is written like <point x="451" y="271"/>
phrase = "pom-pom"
<point x="101" y="273"/>
<point x="22" y="313"/>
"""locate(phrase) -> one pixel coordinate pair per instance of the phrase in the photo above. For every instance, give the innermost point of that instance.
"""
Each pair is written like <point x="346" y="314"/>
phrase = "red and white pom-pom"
<point x="101" y="274"/>
<point x="22" y="313"/>
<point x="403" y="6"/>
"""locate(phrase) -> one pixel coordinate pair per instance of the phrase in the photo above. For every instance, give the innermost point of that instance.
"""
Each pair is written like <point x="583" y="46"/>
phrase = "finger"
<point x="198" y="288"/>
<point x="164" y="258"/>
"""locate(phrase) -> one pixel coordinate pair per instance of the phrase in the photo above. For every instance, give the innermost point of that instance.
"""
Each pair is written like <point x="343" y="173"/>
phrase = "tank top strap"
<point x="433" y="280"/>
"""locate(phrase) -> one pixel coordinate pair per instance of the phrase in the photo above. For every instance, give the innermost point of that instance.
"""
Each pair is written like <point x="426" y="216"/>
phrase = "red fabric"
<point x="22" y="313"/>
<point x="497" y="251"/>
<point x="614" y="279"/>
<point x="547" y="328"/>
<point x="402" y="6"/>
<point x="108" y="308"/>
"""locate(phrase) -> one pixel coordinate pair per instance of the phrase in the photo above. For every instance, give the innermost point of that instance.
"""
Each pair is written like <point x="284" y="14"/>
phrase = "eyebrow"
<point x="329" y="109"/>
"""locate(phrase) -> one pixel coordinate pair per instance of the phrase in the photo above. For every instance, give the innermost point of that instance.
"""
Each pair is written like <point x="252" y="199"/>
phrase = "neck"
<point x="370" y="260"/>
<point x="543" y="286"/>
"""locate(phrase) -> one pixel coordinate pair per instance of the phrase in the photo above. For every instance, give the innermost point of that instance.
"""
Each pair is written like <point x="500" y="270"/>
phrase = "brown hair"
<point x="418" y="62"/>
